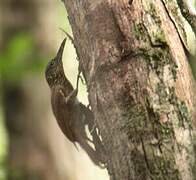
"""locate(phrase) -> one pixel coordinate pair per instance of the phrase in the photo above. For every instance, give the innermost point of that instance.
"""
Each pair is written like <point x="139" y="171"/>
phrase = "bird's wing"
<point x="63" y="113"/>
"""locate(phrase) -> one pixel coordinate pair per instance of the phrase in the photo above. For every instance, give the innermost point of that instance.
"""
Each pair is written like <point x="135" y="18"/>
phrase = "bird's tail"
<point x="90" y="151"/>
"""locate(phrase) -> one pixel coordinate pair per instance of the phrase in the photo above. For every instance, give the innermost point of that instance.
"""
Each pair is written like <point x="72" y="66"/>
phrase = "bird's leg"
<point x="93" y="128"/>
<point x="71" y="97"/>
<point x="78" y="77"/>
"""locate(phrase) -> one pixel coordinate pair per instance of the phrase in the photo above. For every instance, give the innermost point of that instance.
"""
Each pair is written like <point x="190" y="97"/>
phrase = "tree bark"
<point x="141" y="90"/>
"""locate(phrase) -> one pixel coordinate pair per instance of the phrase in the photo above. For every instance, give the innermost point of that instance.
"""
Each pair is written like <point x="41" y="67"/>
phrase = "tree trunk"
<point x="141" y="90"/>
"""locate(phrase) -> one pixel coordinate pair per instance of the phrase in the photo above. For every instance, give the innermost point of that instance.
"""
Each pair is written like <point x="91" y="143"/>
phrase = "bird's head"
<point x="54" y="70"/>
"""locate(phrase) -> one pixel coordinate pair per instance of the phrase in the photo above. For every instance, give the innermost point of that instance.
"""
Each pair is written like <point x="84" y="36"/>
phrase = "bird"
<point x="70" y="114"/>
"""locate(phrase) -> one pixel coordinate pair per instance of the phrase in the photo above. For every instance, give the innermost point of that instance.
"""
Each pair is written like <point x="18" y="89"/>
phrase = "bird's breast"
<point x="64" y="114"/>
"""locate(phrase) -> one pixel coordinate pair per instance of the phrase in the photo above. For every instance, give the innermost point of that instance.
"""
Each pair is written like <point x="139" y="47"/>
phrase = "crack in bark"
<point x="188" y="14"/>
<point x="184" y="46"/>
<point x="163" y="45"/>
<point x="145" y="155"/>
<point x="142" y="148"/>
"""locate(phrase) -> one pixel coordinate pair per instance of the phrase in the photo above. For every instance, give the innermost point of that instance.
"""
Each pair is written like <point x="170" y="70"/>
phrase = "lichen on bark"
<point x="140" y="87"/>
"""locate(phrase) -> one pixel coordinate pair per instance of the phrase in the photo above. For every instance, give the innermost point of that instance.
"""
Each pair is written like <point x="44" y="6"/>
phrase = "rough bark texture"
<point x="140" y="85"/>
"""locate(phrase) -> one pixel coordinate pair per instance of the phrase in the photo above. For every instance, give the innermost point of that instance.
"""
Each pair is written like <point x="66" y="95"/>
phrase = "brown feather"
<point x="71" y="115"/>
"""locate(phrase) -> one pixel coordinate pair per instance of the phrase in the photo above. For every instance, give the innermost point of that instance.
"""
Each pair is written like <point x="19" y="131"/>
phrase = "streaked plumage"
<point x="70" y="114"/>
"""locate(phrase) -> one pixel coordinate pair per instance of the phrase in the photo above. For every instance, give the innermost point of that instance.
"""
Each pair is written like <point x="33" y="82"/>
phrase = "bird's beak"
<point x="60" y="51"/>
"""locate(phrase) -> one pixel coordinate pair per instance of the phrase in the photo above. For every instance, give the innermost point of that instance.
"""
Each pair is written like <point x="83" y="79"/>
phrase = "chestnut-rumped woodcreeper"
<point x="71" y="115"/>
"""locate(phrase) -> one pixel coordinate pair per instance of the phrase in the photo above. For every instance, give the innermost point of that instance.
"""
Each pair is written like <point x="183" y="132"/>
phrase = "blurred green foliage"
<point x="20" y="57"/>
